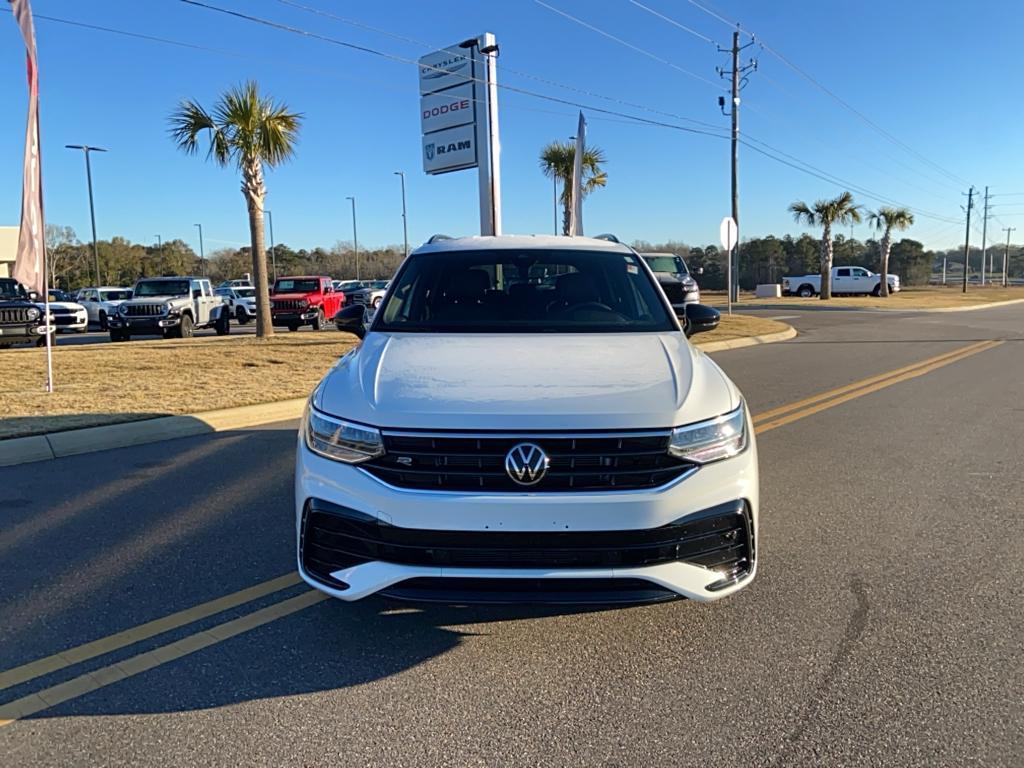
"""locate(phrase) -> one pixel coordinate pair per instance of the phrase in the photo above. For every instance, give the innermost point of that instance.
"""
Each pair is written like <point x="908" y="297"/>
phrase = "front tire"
<point x="376" y="302"/>
<point x="877" y="291"/>
<point x="185" y="330"/>
<point x="103" y="322"/>
<point x="293" y="327"/>
<point x="241" y="316"/>
<point x="117" y="336"/>
<point x="223" y="324"/>
<point x="318" y="321"/>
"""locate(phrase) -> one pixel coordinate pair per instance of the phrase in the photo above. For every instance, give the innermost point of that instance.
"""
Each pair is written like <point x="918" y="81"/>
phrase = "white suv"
<point x="525" y="420"/>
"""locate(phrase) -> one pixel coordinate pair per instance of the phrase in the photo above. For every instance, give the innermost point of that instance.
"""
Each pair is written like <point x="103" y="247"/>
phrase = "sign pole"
<point x="485" y="51"/>
<point x="728" y="233"/>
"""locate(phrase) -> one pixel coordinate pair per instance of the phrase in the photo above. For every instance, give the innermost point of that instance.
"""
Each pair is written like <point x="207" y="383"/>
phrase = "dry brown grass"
<point x="110" y="383"/>
<point x="932" y="297"/>
<point x="740" y="326"/>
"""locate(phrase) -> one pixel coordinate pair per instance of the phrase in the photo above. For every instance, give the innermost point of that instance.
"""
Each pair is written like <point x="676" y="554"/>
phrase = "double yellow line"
<point x="112" y="673"/>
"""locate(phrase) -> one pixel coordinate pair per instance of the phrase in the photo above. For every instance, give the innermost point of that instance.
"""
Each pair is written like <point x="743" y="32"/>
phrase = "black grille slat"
<point x="10" y="316"/>
<point x="459" y="462"/>
<point x="289" y="304"/>
<point x="717" y="539"/>
<point x="145" y="310"/>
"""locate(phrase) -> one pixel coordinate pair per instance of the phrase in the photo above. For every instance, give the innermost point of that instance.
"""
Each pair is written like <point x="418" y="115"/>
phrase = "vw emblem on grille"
<point x="526" y="463"/>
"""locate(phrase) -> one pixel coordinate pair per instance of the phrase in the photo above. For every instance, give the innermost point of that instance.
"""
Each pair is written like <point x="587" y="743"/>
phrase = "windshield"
<point x="9" y="289"/>
<point x="162" y="288"/>
<point x="349" y="285"/>
<point x="311" y="285"/>
<point x="115" y="295"/>
<point x="245" y="293"/>
<point x="529" y="291"/>
<point x="59" y="296"/>
<point x="673" y="264"/>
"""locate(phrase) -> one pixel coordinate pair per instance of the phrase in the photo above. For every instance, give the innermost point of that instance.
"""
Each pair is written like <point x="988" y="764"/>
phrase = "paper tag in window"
<point x="632" y="269"/>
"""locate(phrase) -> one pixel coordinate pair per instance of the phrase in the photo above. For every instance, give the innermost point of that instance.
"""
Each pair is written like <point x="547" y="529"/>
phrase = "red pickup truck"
<point x="304" y="300"/>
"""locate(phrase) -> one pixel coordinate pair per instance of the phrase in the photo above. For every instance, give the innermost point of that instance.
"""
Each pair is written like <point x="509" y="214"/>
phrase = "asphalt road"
<point x="885" y="626"/>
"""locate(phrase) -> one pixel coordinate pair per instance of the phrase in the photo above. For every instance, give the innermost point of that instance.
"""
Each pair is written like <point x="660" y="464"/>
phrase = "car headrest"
<point x="469" y="284"/>
<point x="576" y="288"/>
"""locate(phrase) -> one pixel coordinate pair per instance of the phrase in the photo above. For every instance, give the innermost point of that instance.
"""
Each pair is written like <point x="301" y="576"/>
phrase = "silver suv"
<point x="172" y="307"/>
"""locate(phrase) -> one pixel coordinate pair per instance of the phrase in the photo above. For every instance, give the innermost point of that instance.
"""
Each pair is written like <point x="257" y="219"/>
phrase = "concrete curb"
<point x="55" y="445"/>
<point x="748" y="341"/>
<point x="22" y="450"/>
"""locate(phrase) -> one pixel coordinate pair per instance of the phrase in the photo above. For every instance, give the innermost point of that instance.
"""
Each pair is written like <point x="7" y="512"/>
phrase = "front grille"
<point x="14" y="315"/>
<point x="67" y="319"/>
<point x="145" y="310"/>
<point x="618" y="462"/>
<point x="675" y="292"/>
<point x="356" y="298"/>
<point x="550" y="591"/>
<point x="334" y="538"/>
<point x="289" y="304"/>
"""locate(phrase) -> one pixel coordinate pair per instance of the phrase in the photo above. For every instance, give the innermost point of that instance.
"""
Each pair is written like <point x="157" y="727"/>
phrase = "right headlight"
<point x="712" y="440"/>
<point x="341" y="440"/>
<point x="32" y="313"/>
<point x="123" y="309"/>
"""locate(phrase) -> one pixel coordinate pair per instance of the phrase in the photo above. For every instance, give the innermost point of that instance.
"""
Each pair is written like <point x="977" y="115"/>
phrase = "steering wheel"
<point x="590" y="306"/>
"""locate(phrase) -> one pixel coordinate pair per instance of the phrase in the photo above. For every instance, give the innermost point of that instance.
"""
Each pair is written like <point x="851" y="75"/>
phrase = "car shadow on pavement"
<point x="136" y="534"/>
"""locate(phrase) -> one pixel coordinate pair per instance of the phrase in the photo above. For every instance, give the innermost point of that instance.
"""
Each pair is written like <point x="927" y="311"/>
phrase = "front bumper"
<point x="358" y="536"/>
<point x="143" y="324"/>
<point x="291" y="317"/>
<point x="15" y="334"/>
<point x="76" y="322"/>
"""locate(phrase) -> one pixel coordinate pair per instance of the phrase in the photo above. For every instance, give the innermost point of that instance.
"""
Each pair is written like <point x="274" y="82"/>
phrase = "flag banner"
<point x="576" y="208"/>
<point x="30" y="262"/>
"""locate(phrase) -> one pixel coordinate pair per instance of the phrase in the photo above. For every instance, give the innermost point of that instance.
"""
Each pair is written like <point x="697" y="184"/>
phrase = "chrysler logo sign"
<point x="443" y="67"/>
<point x="526" y="464"/>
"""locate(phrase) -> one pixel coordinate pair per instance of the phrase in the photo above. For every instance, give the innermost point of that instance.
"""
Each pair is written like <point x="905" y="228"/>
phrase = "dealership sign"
<point x="448" y="109"/>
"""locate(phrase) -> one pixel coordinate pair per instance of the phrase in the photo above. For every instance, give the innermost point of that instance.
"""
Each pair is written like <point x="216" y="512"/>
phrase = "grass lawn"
<point x="932" y="297"/>
<point x="110" y="383"/>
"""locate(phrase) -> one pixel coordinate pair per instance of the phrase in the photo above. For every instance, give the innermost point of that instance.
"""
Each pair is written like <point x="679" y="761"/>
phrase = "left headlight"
<point x="341" y="440"/>
<point x="706" y="441"/>
<point x="32" y="313"/>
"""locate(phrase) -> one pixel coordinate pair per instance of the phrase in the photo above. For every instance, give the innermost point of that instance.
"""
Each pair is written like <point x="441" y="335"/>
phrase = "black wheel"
<point x="223" y="324"/>
<point x="185" y="329"/>
<point x="103" y="321"/>
<point x="376" y="302"/>
<point x="877" y="291"/>
<point x="805" y="291"/>
<point x="241" y="316"/>
<point x="293" y="327"/>
<point x="318" y="321"/>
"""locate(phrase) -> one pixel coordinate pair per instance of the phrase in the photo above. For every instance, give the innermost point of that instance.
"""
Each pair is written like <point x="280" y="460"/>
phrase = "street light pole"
<point x="202" y="254"/>
<point x="92" y="209"/>
<point x="355" y="237"/>
<point x="405" y="223"/>
<point x="273" y="249"/>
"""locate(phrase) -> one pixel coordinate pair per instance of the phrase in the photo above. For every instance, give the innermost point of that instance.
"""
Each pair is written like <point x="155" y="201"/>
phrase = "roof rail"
<point x="609" y="237"/>
<point x="438" y="238"/>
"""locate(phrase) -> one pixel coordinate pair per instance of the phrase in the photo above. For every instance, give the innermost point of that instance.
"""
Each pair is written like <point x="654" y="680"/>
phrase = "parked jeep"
<point x="306" y="300"/>
<point x="171" y="306"/>
<point x="21" y="321"/>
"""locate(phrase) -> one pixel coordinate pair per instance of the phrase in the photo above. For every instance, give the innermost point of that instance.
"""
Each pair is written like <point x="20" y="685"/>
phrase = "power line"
<point x="810" y="78"/>
<point x="673" y="22"/>
<point x="504" y="69"/>
<point x="629" y="45"/>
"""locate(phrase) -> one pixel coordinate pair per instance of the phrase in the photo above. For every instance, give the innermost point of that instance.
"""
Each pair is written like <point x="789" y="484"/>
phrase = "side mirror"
<point x="699" y="271"/>
<point x="33" y="295"/>
<point x="351" y="319"/>
<point x="698" y="318"/>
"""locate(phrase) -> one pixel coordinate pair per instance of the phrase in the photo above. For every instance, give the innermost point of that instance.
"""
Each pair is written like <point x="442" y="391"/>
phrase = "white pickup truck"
<point x="844" y="280"/>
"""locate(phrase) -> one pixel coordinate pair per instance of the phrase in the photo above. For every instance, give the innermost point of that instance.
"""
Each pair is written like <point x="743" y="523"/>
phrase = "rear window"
<point x="510" y="291"/>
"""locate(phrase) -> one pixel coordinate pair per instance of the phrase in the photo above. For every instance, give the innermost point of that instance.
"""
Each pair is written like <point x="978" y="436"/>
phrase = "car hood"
<point x="526" y="382"/>
<point x="69" y="305"/>
<point x="290" y="296"/>
<point x="155" y="299"/>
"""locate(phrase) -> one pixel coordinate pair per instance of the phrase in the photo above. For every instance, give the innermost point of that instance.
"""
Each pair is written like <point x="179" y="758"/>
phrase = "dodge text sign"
<point x="450" y="150"/>
<point x="447" y="109"/>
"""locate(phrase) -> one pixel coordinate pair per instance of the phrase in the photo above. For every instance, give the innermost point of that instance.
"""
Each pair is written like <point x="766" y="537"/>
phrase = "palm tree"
<point x="885" y="220"/>
<point x="557" y="160"/>
<point x="249" y="131"/>
<point x="839" y="210"/>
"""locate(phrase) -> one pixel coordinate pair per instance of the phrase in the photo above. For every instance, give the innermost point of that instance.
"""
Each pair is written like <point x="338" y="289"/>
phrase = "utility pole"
<point x="405" y="223"/>
<point x="984" y="236"/>
<point x="202" y="254"/>
<point x="92" y="210"/>
<point x="1006" y="253"/>
<point x="355" y="237"/>
<point x="738" y="76"/>
<point x="967" y="236"/>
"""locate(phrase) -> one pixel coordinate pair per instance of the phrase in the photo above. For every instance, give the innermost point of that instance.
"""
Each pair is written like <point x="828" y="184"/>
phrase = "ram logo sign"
<point x="450" y="150"/>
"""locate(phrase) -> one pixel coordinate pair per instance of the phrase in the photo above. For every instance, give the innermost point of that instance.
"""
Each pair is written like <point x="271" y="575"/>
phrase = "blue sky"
<point x="940" y="77"/>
